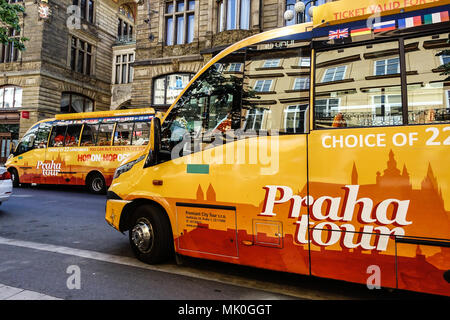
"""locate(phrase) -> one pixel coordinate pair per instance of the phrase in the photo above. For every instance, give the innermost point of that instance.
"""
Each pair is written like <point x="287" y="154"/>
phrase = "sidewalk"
<point x="11" y="293"/>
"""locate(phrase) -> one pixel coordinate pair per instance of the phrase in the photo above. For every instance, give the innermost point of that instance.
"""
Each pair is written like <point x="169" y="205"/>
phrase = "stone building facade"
<point x="175" y="38"/>
<point x="68" y="62"/>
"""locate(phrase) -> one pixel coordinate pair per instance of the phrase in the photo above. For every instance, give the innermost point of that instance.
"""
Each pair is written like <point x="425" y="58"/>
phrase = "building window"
<point x="254" y="119"/>
<point x="86" y="9"/>
<point x="263" y="85"/>
<point x="445" y="58"/>
<point x="125" y="26"/>
<point x="301" y="84"/>
<point x="179" y="17"/>
<point x="124" y="68"/>
<point x="235" y="67"/>
<point x="305" y="62"/>
<point x="10" y="97"/>
<point x="387" y="66"/>
<point x="299" y="18"/>
<point x="80" y="56"/>
<point x="9" y="53"/>
<point x="233" y="14"/>
<point x="74" y="102"/>
<point x="334" y="74"/>
<point x="295" y="118"/>
<point x="271" y="63"/>
<point x="167" y="88"/>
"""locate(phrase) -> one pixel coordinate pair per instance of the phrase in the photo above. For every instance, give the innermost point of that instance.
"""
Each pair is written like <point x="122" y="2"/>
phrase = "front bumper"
<point x="114" y="209"/>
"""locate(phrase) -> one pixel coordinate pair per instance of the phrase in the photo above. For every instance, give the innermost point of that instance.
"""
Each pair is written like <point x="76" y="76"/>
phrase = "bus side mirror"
<point x="155" y="143"/>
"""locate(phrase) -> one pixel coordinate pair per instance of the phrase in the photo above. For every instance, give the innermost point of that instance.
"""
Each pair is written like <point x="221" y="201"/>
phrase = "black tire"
<point x="14" y="177"/>
<point x="150" y="235"/>
<point x="96" y="183"/>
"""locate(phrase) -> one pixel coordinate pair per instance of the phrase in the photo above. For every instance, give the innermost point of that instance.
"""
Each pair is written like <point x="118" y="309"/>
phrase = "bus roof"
<point x="338" y="12"/>
<point x="105" y="114"/>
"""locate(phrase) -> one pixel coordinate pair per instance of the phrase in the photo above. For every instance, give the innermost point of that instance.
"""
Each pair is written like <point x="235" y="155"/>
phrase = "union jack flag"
<point x="338" y="34"/>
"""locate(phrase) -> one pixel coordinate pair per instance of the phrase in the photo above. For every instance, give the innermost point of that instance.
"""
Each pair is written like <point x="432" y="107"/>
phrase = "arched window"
<point x="125" y="27"/>
<point x="10" y="97"/>
<point x="74" y="102"/>
<point x="166" y="88"/>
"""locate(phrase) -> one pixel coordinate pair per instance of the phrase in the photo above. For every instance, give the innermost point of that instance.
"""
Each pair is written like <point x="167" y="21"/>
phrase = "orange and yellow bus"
<point x="320" y="149"/>
<point x="80" y="148"/>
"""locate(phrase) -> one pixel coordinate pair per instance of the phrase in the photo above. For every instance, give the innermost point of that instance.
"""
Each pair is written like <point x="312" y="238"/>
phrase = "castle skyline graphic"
<point x="406" y="266"/>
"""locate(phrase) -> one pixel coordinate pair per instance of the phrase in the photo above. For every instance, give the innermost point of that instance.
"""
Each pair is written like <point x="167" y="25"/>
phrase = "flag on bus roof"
<point x="410" y="22"/>
<point x="360" y="32"/>
<point x="436" y="17"/>
<point x="384" y="26"/>
<point x="338" y="34"/>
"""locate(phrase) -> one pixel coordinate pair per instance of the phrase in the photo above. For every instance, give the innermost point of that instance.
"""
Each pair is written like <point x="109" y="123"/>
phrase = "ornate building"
<point x="175" y="38"/>
<point x="71" y="62"/>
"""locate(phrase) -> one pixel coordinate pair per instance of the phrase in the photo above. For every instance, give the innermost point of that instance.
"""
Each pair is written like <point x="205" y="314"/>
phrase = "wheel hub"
<point x="142" y="236"/>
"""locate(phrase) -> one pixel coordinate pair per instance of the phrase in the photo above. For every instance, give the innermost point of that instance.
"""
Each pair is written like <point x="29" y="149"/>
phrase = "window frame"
<point x="2" y="103"/>
<point x="263" y="84"/>
<point x="174" y="15"/>
<point x="165" y="77"/>
<point x="223" y="14"/>
<point x="334" y="74"/>
<point x="86" y="99"/>
<point x="87" y="50"/>
<point x="385" y="65"/>
<point x="9" y="53"/>
<point x="85" y="14"/>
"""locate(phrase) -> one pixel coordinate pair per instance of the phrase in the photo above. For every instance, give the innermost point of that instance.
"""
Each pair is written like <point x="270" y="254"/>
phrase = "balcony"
<point x="125" y="40"/>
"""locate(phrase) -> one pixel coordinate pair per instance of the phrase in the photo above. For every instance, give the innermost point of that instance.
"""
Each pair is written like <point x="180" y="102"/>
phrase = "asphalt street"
<point x="48" y="232"/>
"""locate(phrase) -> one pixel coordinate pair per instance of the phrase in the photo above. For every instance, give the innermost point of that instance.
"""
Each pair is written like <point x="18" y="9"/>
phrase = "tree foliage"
<point x="10" y="21"/>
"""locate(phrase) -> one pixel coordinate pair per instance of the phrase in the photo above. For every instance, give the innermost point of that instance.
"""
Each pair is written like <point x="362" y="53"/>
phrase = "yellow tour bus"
<point x="320" y="149"/>
<point x="80" y="148"/>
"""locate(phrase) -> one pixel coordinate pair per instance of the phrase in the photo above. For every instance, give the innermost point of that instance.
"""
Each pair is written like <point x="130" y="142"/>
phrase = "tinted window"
<point x="73" y="135"/>
<point x="358" y="86"/>
<point x="141" y="133"/>
<point x="42" y="135"/>
<point x="58" y="135"/>
<point x="428" y="86"/>
<point x="105" y="134"/>
<point x="89" y="135"/>
<point x="27" y="142"/>
<point x="122" y="136"/>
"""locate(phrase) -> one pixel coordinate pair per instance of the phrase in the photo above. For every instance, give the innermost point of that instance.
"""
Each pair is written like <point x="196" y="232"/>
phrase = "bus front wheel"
<point x="14" y="177"/>
<point x="150" y="235"/>
<point x="96" y="183"/>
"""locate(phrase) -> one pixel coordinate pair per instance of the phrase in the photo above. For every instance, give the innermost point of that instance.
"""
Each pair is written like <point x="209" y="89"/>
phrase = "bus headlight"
<point x="127" y="167"/>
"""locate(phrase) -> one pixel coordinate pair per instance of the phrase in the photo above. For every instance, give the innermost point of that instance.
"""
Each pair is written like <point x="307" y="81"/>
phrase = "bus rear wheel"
<point x="151" y="235"/>
<point x="96" y="183"/>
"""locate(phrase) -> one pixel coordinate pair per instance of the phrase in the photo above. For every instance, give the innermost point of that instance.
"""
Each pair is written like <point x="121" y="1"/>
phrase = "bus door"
<point x="247" y="115"/>
<point x="271" y="185"/>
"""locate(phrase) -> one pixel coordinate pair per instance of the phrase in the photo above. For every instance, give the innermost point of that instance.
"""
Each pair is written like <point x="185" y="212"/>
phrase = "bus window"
<point x="358" y="87"/>
<point x="73" y="135"/>
<point x="141" y="133"/>
<point x="276" y="89"/>
<point x="89" y="135"/>
<point x="42" y="135"/>
<point x="105" y="134"/>
<point x="428" y="90"/>
<point x="27" y="142"/>
<point x="208" y="108"/>
<point x="123" y="133"/>
<point x="57" y="138"/>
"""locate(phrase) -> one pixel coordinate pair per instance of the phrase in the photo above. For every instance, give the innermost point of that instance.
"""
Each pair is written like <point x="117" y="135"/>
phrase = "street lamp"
<point x="299" y="8"/>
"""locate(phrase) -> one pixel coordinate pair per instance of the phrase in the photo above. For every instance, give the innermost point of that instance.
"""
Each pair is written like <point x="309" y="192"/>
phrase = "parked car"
<point x="6" y="185"/>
